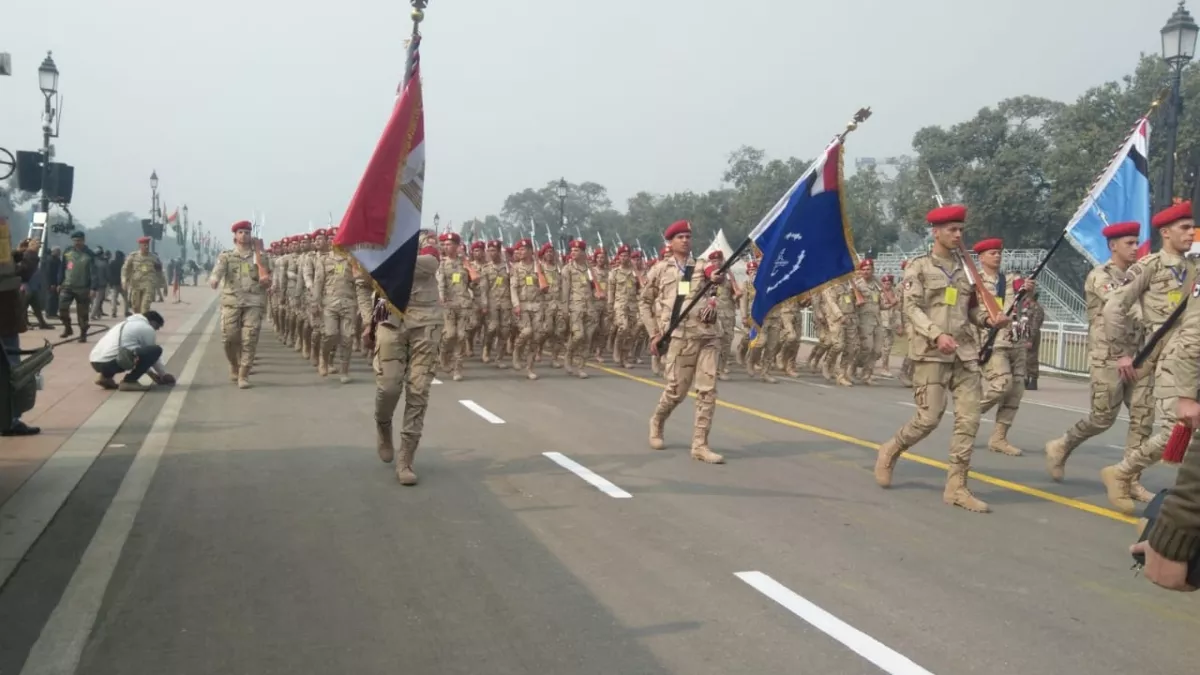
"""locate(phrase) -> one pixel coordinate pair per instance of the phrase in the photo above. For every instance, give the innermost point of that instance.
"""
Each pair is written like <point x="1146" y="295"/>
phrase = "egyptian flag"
<point x="380" y="228"/>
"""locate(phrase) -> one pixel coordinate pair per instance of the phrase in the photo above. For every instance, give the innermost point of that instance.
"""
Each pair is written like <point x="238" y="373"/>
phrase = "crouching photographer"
<point x="131" y="347"/>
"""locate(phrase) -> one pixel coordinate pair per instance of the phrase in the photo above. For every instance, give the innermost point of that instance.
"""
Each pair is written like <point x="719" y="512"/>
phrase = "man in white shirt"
<point x="137" y="335"/>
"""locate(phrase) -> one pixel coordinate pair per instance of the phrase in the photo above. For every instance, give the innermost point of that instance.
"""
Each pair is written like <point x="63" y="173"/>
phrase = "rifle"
<point x="537" y="263"/>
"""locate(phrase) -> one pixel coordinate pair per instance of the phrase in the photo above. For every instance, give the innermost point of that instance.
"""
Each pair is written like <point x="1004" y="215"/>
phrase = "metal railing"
<point x="1063" y="345"/>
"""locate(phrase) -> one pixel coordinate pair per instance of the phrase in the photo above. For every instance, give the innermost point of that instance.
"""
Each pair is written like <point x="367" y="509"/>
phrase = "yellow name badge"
<point x="456" y="278"/>
<point x="499" y="282"/>
<point x="685" y="287"/>
<point x="528" y="281"/>
<point x="246" y="269"/>
<point x="1175" y="296"/>
<point x="951" y="297"/>
<point x="339" y="268"/>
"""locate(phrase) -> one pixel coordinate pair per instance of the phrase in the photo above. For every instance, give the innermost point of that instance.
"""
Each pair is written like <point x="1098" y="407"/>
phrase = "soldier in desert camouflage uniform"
<point x="727" y="306"/>
<point x="622" y="306"/>
<point x="454" y="282"/>
<point x="1158" y="283"/>
<point x="405" y="355"/>
<point x="578" y="296"/>
<point x="1004" y="372"/>
<point x="889" y="320"/>
<point x="497" y="303"/>
<point x="141" y="275"/>
<point x="554" y="314"/>
<point x="527" y="293"/>
<point x="335" y="288"/>
<point x="944" y="314"/>
<point x="243" y="301"/>
<point x="1109" y="390"/>
<point x="869" y="321"/>
<point x="691" y="358"/>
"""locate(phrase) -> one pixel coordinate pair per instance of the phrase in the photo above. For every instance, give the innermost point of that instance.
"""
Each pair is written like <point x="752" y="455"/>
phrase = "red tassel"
<point x="1177" y="444"/>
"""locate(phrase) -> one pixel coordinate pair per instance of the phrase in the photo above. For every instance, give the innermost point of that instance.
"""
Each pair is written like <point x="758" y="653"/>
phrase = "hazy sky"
<point x="276" y="106"/>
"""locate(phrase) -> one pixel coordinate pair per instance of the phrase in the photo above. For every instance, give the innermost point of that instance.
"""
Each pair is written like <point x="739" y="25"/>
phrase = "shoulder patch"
<point x="908" y="284"/>
<point x="1196" y="290"/>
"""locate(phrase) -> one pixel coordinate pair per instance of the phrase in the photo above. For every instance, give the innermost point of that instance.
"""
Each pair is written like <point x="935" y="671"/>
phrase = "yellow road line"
<point x="910" y="455"/>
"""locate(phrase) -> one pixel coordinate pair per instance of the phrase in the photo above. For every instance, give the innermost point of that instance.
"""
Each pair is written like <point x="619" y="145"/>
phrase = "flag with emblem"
<point x="1121" y="194"/>
<point x="805" y="239"/>
<point x="381" y="226"/>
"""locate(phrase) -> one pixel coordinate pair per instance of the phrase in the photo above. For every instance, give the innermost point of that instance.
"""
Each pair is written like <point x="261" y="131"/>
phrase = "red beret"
<point x="546" y="248"/>
<point x="1172" y="214"/>
<point x="449" y="236"/>
<point x="306" y="237"/>
<point x="636" y="255"/>
<point x="598" y="251"/>
<point x="623" y="248"/>
<point x="578" y="244"/>
<point x="866" y="264"/>
<point x="951" y="213"/>
<point x="993" y="244"/>
<point x="678" y="227"/>
<point x="143" y="240"/>
<point x="508" y="250"/>
<point x="1118" y="230"/>
<point x="320" y="232"/>
<point x="710" y="269"/>
<point x="716" y="255"/>
<point x="331" y="232"/>
<point x="431" y="250"/>
<point x="524" y="243"/>
<point x="476" y="245"/>
<point x="241" y="225"/>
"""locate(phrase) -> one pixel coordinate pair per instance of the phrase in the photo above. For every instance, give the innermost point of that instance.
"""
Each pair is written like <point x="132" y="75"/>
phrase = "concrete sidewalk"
<point x="71" y="398"/>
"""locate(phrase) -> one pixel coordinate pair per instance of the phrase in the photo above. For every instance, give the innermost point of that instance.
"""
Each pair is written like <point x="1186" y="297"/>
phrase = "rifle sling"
<point x="680" y="297"/>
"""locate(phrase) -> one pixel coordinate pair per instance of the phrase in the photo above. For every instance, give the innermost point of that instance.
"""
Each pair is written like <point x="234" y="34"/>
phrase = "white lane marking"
<point x="859" y="642"/>
<point x="810" y="384"/>
<point x="116" y="445"/>
<point x="66" y="632"/>
<point x="482" y="412"/>
<point x="948" y="410"/>
<point x="27" y="513"/>
<point x="1068" y="408"/>
<point x="599" y="482"/>
<point x="436" y="381"/>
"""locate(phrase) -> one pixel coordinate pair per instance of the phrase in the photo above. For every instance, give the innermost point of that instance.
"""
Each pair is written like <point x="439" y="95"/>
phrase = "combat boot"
<point x="885" y="462"/>
<point x="1057" y="453"/>
<point x="529" y="360"/>
<point x="958" y="494"/>
<point x="231" y="355"/>
<point x="827" y="369"/>
<point x="1118" y="484"/>
<point x="243" y="378"/>
<point x="1139" y="492"/>
<point x="700" y="450"/>
<point x="345" y="379"/>
<point x="67" y="331"/>
<point x="83" y="332"/>
<point x="657" y="420"/>
<point x="404" y="471"/>
<point x="383" y="441"/>
<point x="999" y="441"/>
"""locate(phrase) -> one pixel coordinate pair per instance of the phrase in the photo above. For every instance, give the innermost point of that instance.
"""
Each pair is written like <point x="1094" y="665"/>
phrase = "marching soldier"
<point x="906" y="365"/>
<point x="869" y="320"/>
<point x="1109" y="390"/>
<point x="497" y="305"/>
<point x="691" y="358"/>
<point x="141" y="275"/>
<point x="943" y="312"/>
<point x="527" y="293"/>
<point x="1035" y="315"/>
<point x="334" y="287"/>
<point x="405" y="358"/>
<point x="889" y="320"/>
<point x="727" y="299"/>
<point x="622" y="306"/>
<point x="243" y="300"/>
<point x="554" y="316"/>
<point x="1004" y="372"/>
<point x="1157" y="282"/>
<point x="577" y="297"/>
<point x="454" y="281"/>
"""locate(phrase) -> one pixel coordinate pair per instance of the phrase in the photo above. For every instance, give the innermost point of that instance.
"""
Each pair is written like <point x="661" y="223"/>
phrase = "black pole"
<point x="47" y="134"/>
<point x="665" y="341"/>
<point x="1174" y="111"/>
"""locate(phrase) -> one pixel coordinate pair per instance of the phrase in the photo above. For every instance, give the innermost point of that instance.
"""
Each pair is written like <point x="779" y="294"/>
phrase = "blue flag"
<point x="805" y="239"/>
<point x="1121" y="194"/>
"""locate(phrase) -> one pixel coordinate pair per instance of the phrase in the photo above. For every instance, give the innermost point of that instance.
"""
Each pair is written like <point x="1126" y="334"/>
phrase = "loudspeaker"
<point x="29" y="171"/>
<point x="61" y="183"/>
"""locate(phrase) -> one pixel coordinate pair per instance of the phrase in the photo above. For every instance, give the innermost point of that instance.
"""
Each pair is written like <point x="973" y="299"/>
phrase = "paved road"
<point x="257" y="532"/>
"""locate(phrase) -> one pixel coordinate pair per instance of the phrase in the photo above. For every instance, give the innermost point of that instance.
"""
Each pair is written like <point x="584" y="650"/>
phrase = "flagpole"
<point x="663" y="342"/>
<point x="412" y="60"/>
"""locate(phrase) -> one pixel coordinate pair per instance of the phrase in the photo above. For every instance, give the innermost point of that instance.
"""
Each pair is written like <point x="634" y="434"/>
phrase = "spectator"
<point x="49" y="271"/>
<point x="14" y="320"/>
<point x="137" y="335"/>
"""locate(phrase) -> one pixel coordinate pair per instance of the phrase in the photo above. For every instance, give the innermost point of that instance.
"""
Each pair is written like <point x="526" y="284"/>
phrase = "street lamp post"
<point x="437" y="222"/>
<point x="48" y="83"/>
<point x="153" y="207"/>
<point x="562" y="214"/>
<point x="181" y="235"/>
<point x="1178" y="48"/>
